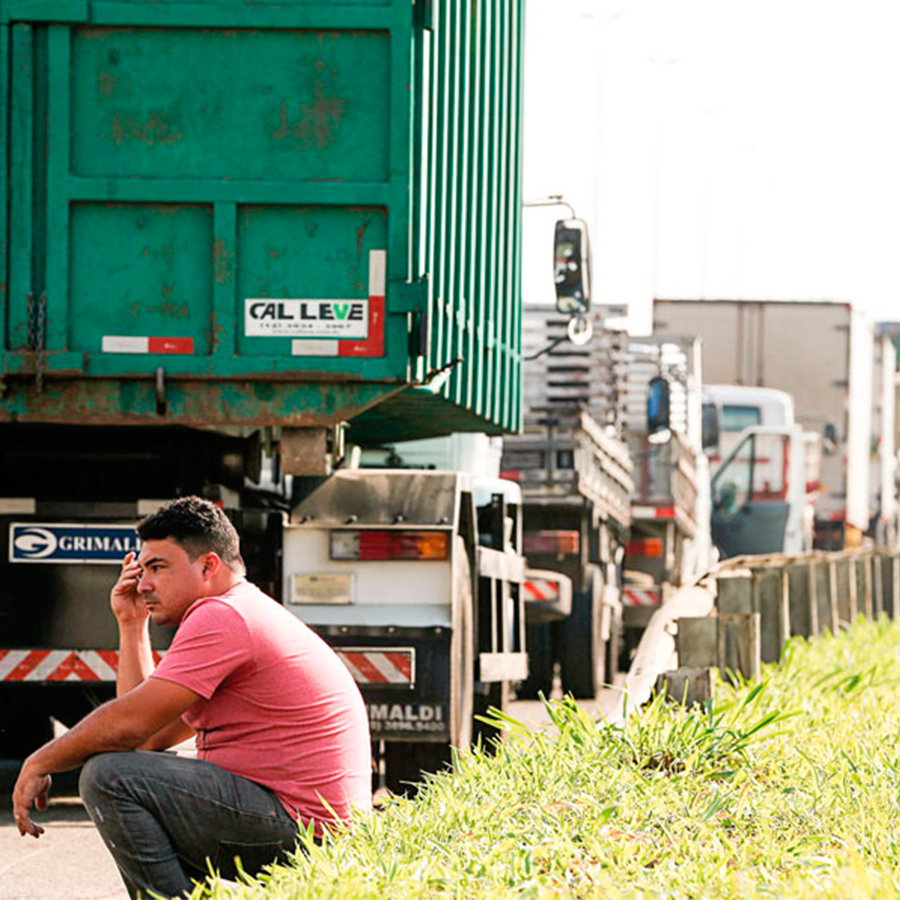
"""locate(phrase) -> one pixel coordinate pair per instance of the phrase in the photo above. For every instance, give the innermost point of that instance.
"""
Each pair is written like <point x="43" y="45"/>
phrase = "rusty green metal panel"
<point x="280" y="213"/>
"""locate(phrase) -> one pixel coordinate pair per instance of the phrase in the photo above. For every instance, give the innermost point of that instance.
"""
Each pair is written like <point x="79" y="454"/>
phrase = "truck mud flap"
<point x="404" y="677"/>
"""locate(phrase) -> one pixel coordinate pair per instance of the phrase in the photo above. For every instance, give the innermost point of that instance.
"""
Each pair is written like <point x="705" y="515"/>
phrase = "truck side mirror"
<point x="710" y="426"/>
<point x="571" y="266"/>
<point x="829" y="439"/>
<point x="658" y="417"/>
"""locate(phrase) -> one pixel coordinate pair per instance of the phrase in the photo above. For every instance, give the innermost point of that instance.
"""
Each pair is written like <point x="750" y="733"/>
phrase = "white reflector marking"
<point x="314" y="348"/>
<point x="18" y="506"/>
<point x="379" y="666"/>
<point x="60" y="665"/>
<point x="377" y="272"/>
<point x="541" y="589"/>
<point x="640" y="597"/>
<point x="114" y="343"/>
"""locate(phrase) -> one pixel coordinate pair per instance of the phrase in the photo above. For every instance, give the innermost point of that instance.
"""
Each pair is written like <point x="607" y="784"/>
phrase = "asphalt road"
<point x="69" y="861"/>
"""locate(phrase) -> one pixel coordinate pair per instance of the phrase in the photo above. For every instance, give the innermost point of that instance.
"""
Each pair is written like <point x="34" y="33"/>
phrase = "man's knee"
<point x="102" y="773"/>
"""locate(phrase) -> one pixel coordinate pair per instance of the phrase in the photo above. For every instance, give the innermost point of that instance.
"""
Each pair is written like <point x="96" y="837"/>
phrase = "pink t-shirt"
<point x="278" y="705"/>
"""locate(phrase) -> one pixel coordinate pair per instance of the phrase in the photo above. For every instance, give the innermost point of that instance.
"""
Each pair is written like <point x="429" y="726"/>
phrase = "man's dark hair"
<point x="198" y="527"/>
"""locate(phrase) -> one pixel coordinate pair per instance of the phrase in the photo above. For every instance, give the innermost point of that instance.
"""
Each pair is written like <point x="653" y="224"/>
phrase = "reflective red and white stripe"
<point x="120" y="343"/>
<point x="653" y="512"/>
<point x="372" y="665"/>
<point x="641" y="597"/>
<point x="541" y="590"/>
<point x="60" y="665"/>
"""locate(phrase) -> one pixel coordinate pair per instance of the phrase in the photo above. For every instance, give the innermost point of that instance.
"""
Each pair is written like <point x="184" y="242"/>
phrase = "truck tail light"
<point x="390" y="545"/>
<point x="652" y="547"/>
<point x="564" y="543"/>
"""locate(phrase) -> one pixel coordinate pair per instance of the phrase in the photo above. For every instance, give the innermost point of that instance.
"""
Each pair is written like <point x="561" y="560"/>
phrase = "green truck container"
<point x="221" y="214"/>
<point x="227" y="229"/>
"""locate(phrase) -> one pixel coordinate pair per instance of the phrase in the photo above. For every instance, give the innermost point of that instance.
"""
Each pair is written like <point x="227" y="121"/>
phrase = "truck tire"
<point x="462" y="649"/>
<point x="580" y="647"/>
<point x="407" y="762"/>
<point x="495" y="694"/>
<point x="539" y="644"/>
<point x="25" y="729"/>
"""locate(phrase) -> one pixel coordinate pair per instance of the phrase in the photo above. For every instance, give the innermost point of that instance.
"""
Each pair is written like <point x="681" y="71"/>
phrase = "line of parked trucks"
<point x="294" y="289"/>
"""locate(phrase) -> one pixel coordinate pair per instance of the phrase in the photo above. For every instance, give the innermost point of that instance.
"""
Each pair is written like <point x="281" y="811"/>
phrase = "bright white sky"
<point x="718" y="149"/>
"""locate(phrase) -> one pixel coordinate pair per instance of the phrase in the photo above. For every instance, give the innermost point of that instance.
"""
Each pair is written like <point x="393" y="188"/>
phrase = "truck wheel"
<point x="495" y="694"/>
<point x="539" y="644"/>
<point x="614" y="647"/>
<point x="28" y="728"/>
<point x="407" y="763"/>
<point x="462" y="650"/>
<point x="580" y="647"/>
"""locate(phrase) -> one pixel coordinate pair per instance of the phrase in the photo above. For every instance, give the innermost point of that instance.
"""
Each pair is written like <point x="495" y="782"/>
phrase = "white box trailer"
<point x="883" y="472"/>
<point x="819" y="352"/>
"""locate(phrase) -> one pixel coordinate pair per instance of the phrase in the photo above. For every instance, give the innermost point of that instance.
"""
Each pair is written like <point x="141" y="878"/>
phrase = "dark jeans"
<point x="164" y="818"/>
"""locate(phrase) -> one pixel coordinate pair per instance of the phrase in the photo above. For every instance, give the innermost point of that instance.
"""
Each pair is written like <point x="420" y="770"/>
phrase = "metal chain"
<point x="37" y="336"/>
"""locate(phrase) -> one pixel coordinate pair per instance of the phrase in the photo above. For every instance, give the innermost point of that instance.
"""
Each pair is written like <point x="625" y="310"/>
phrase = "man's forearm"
<point x="103" y="730"/>
<point x="135" y="656"/>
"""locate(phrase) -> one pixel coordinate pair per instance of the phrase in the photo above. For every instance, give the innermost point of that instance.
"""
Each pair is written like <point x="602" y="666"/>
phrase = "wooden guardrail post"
<point x="770" y="600"/>
<point x="804" y="620"/>
<point x="834" y="613"/>
<point x="892" y="564"/>
<point x="688" y="686"/>
<point x="738" y="636"/>
<point x="734" y="592"/>
<point x="820" y="577"/>
<point x="697" y="642"/>
<point x="841" y="583"/>
<point x="853" y="587"/>
<point x="697" y="645"/>
<point x="867" y="606"/>
<point x="877" y="586"/>
<point x="738" y="640"/>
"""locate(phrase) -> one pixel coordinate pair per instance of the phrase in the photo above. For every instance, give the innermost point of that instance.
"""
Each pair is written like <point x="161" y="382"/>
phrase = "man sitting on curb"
<point x="280" y="725"/>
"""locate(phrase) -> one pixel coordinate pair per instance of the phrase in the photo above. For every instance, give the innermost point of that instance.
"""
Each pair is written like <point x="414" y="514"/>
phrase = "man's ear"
<point x="211" y="563"/>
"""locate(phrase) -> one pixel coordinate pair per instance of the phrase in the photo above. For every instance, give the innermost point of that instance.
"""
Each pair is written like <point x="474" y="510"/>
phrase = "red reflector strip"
<point x="640" y="597"/>
<point x="511" y="474"/>
<point x="61" y="665"/>
<point x="374" y="344"/>
<point x="379" y="666"/>
<point x="171" y="345"/>
<point x="541" y="590"/>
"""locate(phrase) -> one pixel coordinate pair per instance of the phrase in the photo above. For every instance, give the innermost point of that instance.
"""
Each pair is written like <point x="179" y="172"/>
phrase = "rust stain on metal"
<point x="135" y="309"/>
<point x="215" y="333"/>
<point x="106" y="83"/>
<point x="318" y="120"/>
<point x="170" y="309"/>
<point x="359" y="236"/>
<point x="99" y="34"/>
<point x="221" y="260"/>
<point x="158" y="129"/>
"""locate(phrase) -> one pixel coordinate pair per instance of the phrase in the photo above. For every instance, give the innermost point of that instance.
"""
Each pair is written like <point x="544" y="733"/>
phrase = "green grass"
<point x="788" y="788"/>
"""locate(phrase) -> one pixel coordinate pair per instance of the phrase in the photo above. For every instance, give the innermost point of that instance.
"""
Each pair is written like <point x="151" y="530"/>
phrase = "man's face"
<point x="171" y="581"/>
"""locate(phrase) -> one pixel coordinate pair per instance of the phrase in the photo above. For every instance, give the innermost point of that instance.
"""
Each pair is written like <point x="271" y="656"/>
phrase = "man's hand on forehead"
<point x="124" y="598"/>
